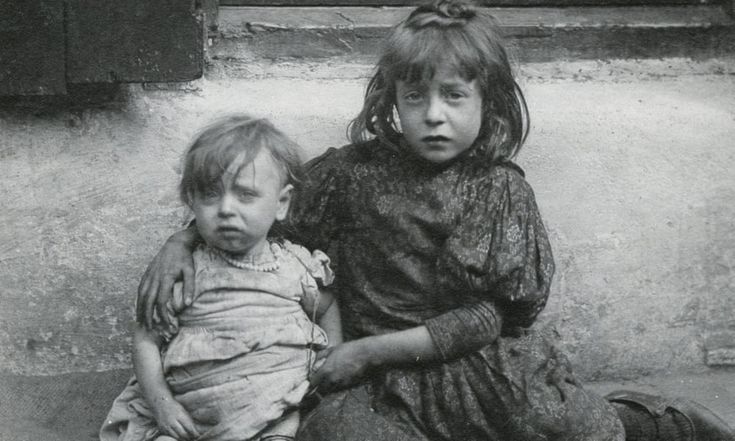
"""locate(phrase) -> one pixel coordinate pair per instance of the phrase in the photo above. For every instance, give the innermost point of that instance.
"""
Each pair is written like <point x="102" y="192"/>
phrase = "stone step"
<point x="72" y="407"/>
<point x="537" y="34"/>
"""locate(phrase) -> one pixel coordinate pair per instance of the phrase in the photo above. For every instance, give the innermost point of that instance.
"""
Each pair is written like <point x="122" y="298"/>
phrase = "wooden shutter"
<point x="32" y="53"/>
<point x="46" y="45"/>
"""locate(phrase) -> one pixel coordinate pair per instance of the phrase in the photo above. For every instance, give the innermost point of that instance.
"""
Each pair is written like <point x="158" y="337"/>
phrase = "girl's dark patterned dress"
<point x="461" y="249"/>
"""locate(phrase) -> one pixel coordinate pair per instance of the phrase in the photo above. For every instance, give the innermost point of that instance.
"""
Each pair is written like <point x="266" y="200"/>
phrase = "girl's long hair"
<point x="458" y="35"/>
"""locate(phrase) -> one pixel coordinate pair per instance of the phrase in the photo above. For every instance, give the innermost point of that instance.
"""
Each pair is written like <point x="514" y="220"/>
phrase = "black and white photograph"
<point x="367" y="220"/>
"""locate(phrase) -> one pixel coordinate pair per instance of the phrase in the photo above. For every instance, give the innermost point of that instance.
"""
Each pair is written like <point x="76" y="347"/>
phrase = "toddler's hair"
<point x="220" y="143"/>
<point x="455" y="34"/>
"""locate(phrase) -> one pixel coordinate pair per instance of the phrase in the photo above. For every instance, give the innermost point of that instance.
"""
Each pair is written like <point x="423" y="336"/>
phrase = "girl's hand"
<point x="343" y="366"/>
<point x="174" y="420"/>
<point x="173" y="262"/>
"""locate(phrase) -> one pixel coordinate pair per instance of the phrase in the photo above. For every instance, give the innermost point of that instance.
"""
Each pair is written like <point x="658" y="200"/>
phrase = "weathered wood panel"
<point x="133" y="41"/>
<point x="32" y="47"/>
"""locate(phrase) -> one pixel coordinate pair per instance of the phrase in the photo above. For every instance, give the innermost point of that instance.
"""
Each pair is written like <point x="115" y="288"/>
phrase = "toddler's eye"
<point x="209" y="195"/>
<point x="245" y="195"/>
<point x="210" y="189"/>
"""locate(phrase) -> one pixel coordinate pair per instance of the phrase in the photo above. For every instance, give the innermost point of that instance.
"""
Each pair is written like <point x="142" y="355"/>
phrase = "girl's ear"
<point x="284" y="202"/>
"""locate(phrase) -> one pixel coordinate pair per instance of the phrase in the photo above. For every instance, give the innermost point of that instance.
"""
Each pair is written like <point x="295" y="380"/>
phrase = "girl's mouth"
<point x="436" y="138"/>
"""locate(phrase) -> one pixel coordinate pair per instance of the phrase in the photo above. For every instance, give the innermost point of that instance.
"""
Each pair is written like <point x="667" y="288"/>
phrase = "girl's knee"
<point x="580" y="416"/>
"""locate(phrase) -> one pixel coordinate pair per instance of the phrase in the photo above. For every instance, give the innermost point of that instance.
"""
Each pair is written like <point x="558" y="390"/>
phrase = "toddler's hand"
<point x="174" y="420"/>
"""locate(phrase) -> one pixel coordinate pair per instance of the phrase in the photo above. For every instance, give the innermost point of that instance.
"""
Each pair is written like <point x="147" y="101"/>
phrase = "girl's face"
<point x="440" y="118"/>
<point x="236" y="214"/>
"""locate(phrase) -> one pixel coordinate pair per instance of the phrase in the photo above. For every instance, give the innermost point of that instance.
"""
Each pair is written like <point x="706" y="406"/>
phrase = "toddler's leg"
<point x="165" y="438"/>
<point x="282" y="429"/>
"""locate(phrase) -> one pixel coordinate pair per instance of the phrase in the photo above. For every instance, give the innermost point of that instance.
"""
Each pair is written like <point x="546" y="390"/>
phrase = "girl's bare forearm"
<point x="408" y="346"/>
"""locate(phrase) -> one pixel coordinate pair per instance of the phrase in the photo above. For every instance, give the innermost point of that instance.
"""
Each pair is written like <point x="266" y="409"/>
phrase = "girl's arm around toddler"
<point x="171" y="416"/>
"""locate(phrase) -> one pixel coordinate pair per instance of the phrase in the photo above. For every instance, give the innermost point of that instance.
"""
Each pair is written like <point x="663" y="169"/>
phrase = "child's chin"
<point x="235" y="251"/>
<point x="438" y="157"/>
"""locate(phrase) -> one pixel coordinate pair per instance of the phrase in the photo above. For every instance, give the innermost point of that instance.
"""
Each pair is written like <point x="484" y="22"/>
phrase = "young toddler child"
<point x="235" y="364"/>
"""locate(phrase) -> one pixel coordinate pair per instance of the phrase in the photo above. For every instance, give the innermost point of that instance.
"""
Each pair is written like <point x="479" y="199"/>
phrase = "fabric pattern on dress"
<point x="243" y="350"/>
<point x="460" y="248"/>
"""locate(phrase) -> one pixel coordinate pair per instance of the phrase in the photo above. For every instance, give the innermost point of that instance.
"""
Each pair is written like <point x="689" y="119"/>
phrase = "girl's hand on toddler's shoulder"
<point x="174" y="420"/>
<point x="172" y="263"/>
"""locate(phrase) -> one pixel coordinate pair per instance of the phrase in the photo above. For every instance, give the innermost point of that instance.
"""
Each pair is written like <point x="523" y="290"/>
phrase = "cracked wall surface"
<point x="632" y="172"/>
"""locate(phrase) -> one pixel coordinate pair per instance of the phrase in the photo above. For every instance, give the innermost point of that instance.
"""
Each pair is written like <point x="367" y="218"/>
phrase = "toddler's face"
<point x="440" y="118"/>
<point x="236" y="213"/>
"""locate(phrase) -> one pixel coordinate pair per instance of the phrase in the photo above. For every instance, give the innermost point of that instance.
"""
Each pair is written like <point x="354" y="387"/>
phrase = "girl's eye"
<point x="454" y="95"/>
<point x="412" y="97"/>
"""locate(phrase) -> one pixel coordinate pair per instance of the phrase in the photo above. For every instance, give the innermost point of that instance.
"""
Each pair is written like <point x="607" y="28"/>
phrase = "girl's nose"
<point x="225" y="206"/>
<point x="434" y="111"/>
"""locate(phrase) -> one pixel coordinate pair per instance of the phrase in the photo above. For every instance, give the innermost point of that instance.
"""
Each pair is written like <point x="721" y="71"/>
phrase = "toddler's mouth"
<point x="226" y="229"/>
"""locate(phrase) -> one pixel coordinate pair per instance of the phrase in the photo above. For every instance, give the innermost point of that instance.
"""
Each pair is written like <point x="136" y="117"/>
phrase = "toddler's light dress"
<point x="240" y="360"/>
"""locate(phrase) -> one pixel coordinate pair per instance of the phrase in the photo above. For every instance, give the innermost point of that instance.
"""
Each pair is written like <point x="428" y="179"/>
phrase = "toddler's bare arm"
<point x="325" y="311"/>
<point x="330" y="319"/>
<point x="171" y="417"/>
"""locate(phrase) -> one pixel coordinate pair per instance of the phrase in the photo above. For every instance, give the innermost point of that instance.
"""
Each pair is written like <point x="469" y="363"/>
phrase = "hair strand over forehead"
<point x="231" y="139"/>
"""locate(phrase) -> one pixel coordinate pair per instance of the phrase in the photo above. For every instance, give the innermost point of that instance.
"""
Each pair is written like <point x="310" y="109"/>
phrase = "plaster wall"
<point x="633" y="177"/>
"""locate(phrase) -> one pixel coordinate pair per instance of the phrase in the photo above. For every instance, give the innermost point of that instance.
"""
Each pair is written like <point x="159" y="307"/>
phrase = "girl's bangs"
<point x="419" y="55"/>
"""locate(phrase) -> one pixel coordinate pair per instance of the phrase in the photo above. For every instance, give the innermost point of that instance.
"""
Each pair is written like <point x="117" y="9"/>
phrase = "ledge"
<point x="539" y="34"/>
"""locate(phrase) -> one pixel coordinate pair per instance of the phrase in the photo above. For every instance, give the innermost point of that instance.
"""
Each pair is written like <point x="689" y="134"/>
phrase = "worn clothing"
<point x="460" y="248"/>
<point x="243" y="351"/>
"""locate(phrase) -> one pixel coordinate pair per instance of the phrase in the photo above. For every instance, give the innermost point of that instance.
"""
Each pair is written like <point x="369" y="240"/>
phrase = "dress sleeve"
<point x="315" y="217"/>
<point x="316" y="263"/>
<point x="317" y="272"/>
<point x="501" y="254"/>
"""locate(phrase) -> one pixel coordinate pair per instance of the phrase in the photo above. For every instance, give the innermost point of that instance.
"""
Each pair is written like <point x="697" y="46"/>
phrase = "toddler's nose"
<point x="225" y="206"/>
